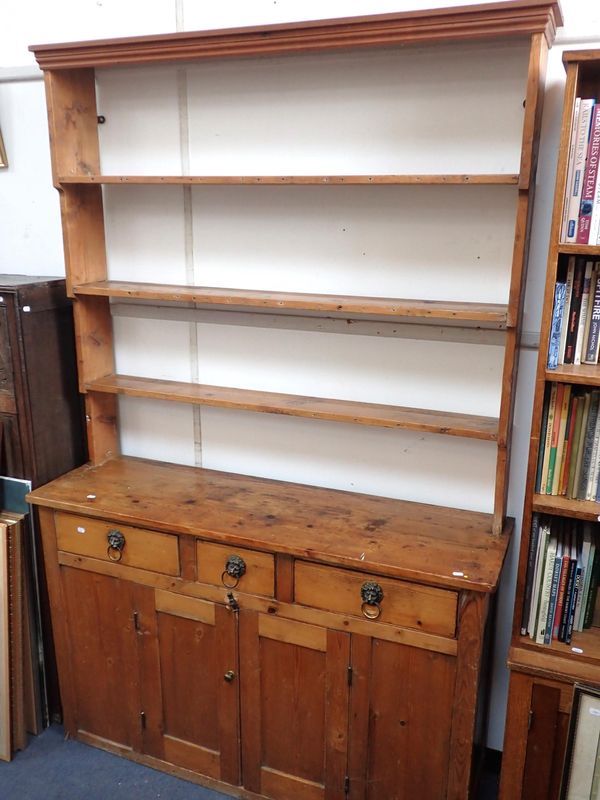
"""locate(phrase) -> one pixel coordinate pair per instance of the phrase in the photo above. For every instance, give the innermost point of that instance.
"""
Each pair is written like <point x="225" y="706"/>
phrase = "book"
<point x="575" y="594"/>
<point x="546" y="588"/>
<point x="562" y="429"/>
<point x="593" y="473"/>
<point x="564" y="620"/>
<point x="590" y="177"/>
<point x="590" y="603"/>
<point x="564" y="325"/>
<point x="573" y="460"/>
<point x="531" y="557"/>
<point x="581" y="145"/>
<point x="548" y="435"/>
<point x="592" y="343"/>
<point x="583" y="315"/>
<point x="568" y="446"/>
<point x="541" y="449"/>
<point x="538" y="569"/>
<point x="569" y="180"/>
<point x="572" y="320"/>
<point x="587" y="399"/>
<point x="586" y="546"/>
<point x="587" y="583"/>
<point x="558" y="311"/>
<point x="588" y="444"/>
<point x="556" y="422"/>
<point x="562" y="585"/>
<point x="556" y="570"/>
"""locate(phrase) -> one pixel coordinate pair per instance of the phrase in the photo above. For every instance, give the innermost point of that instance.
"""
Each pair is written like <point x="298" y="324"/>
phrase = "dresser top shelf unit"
<point x="70" y="75"/>
<point x="353" y="530"/>
<point x="490" y="20"/>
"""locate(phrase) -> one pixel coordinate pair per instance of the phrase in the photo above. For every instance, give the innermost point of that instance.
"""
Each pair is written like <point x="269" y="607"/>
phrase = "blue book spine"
<point x="560" y="291"/>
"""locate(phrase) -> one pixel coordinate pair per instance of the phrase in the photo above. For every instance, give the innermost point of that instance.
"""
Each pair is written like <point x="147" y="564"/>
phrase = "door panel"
<point x="191" y="685"/>
<point x="401" y="712"/>
<point x="103" y="650"/>
<point x="294" y="708"/>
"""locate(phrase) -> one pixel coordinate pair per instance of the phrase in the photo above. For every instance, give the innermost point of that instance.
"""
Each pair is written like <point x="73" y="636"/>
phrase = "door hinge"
<point x="347" y="785"/>
<point x="349" y="675"/>
<point x="143" y="720"/>
<point x="136" y="622"/>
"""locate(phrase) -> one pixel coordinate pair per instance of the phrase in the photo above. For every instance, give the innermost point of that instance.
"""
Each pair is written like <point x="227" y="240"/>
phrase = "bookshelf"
<point x="543" y="675"/>
<point x="340" y="589"/>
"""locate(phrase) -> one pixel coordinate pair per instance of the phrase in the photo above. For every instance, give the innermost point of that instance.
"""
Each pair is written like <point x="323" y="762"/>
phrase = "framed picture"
<point x="581" y="773"/>
<point x="3" y="159"/>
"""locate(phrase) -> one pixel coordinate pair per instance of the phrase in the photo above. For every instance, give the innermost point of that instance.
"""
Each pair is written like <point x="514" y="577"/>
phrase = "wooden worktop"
<point x="391" y="537"/>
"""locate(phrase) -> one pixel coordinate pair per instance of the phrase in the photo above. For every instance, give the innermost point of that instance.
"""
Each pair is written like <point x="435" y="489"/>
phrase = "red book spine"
<point x="589" y="181"/>
<point x="560" y="601"/>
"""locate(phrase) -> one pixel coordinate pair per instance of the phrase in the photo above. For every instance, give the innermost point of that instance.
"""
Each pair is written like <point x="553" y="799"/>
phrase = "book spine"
<point x="531" y="556"/>
<point x="586" y="585"/>
<point x="593" y="591"/>
<point x="572" y="605"/>
<point x="562" y="430"/>
<point x="568" y="448"/>
<point x="560" y="390"/>
<point x="590" y="177"/>
<point x="557" y="318"/>
<point x="593" y="340"/>
<point x="580" y="400"/>
<point x="574" y="311"/>
<point x="583" y="315"/>
<point x="541" y="450"/>
<point x="586" y="456"/>
<point x="562" y="590"/>
<point x="545" y="589"/>
<point x="590" y="493"/>
<point x="569" y="181"/>
<point x="539" y="565"/>
<point x="581" y="143"/>
<point x="565" y="315"/>
<point x="564" y="620"/>
<point x="548" y="435"/>
<point x="553" y="598"/>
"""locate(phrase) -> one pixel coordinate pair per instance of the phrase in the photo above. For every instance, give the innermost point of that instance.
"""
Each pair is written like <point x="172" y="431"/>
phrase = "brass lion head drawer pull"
<point x="372" y="595"/>
<point x="235" y="567"/>
<point x="116" y="543"/>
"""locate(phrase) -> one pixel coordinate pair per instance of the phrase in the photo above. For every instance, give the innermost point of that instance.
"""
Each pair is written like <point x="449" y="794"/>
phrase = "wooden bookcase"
<point x="542" y="676"/>
<point x="342" y="590"/>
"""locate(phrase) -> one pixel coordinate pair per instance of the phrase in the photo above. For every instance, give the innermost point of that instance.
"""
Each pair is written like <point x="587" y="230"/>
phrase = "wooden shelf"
<point x="571" y="373"/>
<point x="587" y="641"/>
<point x="278" y="180"/>
<point x="565" y="507"/>
<point x="371" y="414"/>
<point x="579" y="249"/>
<point x="480" y="315"/>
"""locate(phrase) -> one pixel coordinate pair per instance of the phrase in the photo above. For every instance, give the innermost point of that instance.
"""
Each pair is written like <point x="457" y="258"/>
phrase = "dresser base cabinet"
<point x="233" y="639"/>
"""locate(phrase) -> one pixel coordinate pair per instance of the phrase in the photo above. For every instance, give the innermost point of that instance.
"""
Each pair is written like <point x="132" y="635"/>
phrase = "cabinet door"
<point x="294" y="704"/>
<point x="189" y="666"/>
<point x="104" y="687"/>
<point x="400" y="721"/>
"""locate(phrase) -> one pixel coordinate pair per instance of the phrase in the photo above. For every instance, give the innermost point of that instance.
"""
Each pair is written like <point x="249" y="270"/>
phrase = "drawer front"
<point x="258" y="568"/>
<point x="144" y="549"/>
<point x="410" y="605"/>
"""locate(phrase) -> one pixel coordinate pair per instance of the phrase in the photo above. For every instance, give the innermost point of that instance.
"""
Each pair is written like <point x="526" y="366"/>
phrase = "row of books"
<point x="581" y="208"/>
<point x="561" y="587"/>
<point x="569" y="453"/>
<point x="575" y="327"/>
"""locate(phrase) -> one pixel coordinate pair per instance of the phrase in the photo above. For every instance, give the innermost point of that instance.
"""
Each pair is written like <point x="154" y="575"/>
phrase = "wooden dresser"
<point x="275" y="639"/>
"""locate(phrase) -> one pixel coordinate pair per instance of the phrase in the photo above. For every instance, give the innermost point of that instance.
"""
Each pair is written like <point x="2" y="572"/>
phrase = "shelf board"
<point x="371" y="414"/>
<point x="277" y="180"/>
<point x="571" y="373"/>
<point x="558" y="657"/>
<point x="565" y="507"/>
<point x="479" y="315"/>
<point x="579" y="249"/>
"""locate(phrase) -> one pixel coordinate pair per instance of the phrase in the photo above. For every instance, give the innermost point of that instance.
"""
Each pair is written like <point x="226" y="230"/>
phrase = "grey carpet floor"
<point x="53" y="768"/>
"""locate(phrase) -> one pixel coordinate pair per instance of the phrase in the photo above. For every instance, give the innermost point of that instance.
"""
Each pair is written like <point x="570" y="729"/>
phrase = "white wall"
<point x="363" y="459"/>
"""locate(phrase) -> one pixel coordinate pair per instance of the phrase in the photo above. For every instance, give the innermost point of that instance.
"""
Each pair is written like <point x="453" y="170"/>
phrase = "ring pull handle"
<point x="116" y="543"/>
<point x="371" y="594"/>
<point x="235" y="567"/>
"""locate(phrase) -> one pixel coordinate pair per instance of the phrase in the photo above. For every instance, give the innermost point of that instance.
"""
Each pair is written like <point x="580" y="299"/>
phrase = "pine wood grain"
<point x="371" y="534"/>
<point x="434" y="179"/>
<point x="349" y="411"/>
<point x="463" y="22"/>
<point x="481" y="315"/>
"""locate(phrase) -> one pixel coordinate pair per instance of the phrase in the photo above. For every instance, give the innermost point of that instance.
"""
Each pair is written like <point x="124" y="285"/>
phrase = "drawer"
<point x="410" y="605"/>
<point x="258" y="568"/>
<point x="144" y="549"/>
